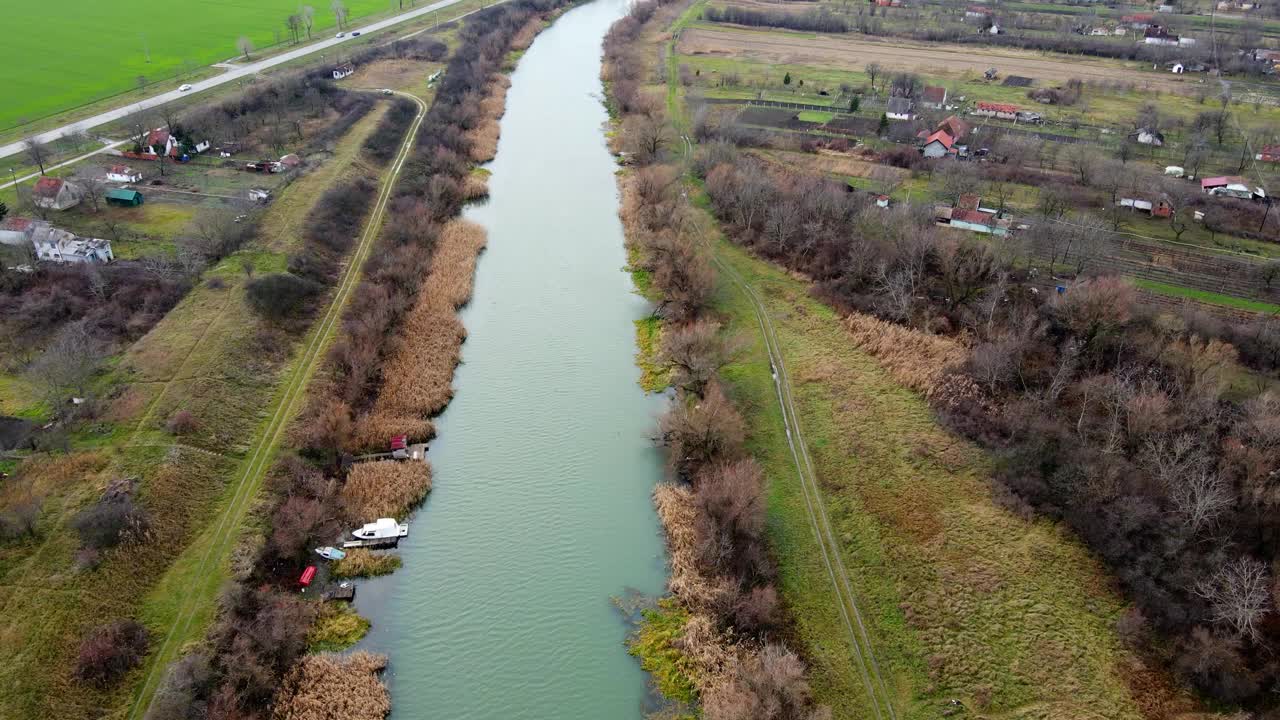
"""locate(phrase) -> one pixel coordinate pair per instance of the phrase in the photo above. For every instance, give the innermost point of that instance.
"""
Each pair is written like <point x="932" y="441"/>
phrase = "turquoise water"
<point x="544" y="462"/>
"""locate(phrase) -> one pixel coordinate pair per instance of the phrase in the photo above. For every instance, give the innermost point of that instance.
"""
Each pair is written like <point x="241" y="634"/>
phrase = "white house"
<point x="899" y="108"/>
<point x="1146" y="136"/>
<point x="54" y="245"/>
<point x="18" y="230"/>
<point x="123" y="174"/>
<point x="343" y="70"/>
<point x="1177" y="68"/>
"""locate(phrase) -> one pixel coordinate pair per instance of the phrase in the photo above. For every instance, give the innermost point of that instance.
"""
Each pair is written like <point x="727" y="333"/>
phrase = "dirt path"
<point x="852" y="52"/>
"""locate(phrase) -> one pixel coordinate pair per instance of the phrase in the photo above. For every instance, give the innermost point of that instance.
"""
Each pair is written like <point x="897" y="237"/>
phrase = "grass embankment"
<point x="209" y="357"/>
<point x="962" y="599"/>
<point x="1204" y="296"/>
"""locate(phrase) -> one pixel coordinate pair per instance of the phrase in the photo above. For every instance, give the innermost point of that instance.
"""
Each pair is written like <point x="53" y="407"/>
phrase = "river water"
<point x="540" y="513"/>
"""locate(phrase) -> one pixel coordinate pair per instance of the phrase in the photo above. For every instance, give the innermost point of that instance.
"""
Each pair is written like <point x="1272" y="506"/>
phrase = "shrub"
<point x="182" y="423"/>
<point x="109" y="522"/>
<point x="280" y="296"/>
<point x="338" y="627"/>
<point x="109" y="651"/>
<point x="701" y="432"/>
<point x="185" y="686"/>
<point x="385" y="139"/>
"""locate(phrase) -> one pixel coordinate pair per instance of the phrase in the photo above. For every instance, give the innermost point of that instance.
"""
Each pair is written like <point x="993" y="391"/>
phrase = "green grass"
<point x="815" y="116"/>
<point x="1205" y="296"/>
<point x="337" y="628"/>
<point x="962" y="599"/>
<point x="654" y="643"/>
<point x="55" y="58"/>
<point x="654" y="376"/>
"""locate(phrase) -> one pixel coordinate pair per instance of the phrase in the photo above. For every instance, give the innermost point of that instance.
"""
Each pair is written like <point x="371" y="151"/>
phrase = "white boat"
<point x="330" y="553"/>
<point x="382" y="529"/>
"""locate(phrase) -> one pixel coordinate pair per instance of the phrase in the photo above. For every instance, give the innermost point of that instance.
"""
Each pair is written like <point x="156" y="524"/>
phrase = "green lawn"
<point x="57" y="57"/>
<point x="1206" y="297"/>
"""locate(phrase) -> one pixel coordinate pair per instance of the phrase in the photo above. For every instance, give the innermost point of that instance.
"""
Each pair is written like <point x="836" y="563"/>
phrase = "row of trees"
<point x="1103" y="413"/>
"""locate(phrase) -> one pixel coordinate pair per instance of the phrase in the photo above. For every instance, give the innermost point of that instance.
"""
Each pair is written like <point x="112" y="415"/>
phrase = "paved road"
<point x="231" y="75"/>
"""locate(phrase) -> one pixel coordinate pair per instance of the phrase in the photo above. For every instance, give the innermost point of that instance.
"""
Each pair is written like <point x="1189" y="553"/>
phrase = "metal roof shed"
<point x="128" y="198"/>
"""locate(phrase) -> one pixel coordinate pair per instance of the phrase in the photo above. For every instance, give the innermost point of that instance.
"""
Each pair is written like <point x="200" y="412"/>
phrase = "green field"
<point x="57" y="58"/>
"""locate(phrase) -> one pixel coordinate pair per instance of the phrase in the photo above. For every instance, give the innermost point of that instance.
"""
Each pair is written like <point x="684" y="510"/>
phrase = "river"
<point x="541" y="510"/>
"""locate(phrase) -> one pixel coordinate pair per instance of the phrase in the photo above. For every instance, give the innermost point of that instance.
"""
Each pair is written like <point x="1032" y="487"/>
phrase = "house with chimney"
<point x="53" y="193"/>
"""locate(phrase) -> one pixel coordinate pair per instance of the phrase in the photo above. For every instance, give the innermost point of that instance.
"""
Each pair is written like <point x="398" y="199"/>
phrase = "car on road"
<point x="184" y="87"/>
<point x="341" y="34"/>
<point x="386" y="91"/>
<point x="355" y="34"/>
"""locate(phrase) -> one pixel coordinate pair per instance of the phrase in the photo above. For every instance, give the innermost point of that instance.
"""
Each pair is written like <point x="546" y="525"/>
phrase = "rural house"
<point x="343" y="70"/>
<point x="1161" y="207"/>
<point x="968" y="214"/>
<point x="1004" y="111"/>
<point x="939" y="144"/>
<point x="17" y="230"/>
<point x="123" y="197"/>
<point x="54" y="245"/>
<point x="1231" y="186"/>
<point x="1269" y="153"/>
<point x="53" y="193"/>
<point x="123" y="174"/>
<point x="934" y="97"/>
<point x="160" y="142"/>
<point x="955" y="127"/>
<point x="899" y="108"/>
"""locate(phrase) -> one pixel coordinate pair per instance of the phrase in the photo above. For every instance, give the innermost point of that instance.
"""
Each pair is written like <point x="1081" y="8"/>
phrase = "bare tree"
<point x="1200" y="498"/>
<point x="872" y="70"/>
<point x="646" y="137"/>
<point x="308" y="18"/>
<point x="339" y="12"/>
<point x="696" y="352"/>
<point x="1239" y="594"/>
<point x="37" y="151"/>
<point x="245" y="46"/>
<point x="1083" y="161"/>
<point x="67" y="364"/>
<point x="294" y="23"/>
<point x="139" y="126"/>
<point x="94" y="188"/>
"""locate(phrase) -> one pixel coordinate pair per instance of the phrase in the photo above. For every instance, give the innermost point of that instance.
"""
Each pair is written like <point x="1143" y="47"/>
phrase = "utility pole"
<point x="18" y="198"/>
<point x="146" y="50"/>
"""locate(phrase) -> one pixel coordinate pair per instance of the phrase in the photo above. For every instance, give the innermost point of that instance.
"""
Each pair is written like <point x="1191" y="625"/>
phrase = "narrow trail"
<point x="878" y="694"/>
<point x="246" y="485"/>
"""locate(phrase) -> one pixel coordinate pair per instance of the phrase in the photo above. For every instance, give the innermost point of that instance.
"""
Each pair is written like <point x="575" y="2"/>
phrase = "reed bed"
<point x="916" y="360"/>
<point x="334" y="687"/>
<point x="524" y="38"/>
<point x="419" y="374"/>
<point x="360" y="562"/>
<point x="484" y="136"/>
<point x="475" y="186"/>
<point x="385" y="488"/>
<point x="375" y="429"/>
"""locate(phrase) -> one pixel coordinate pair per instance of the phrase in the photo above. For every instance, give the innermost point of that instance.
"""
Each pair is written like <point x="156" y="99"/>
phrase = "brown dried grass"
<point x="327" y="686"/>
<point x="914" y="359"/>
<point x="418" y="379"/>
<point x="524" y="38"/>
<point x="385" y="488"/>
<point x="484" y="136"/>
<point x="376" y="429"/>
<point x="42" y="475"/>
<point x="475" y="186"/>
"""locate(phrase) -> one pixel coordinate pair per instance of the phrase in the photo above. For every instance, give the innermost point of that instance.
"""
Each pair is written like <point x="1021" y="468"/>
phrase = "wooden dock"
<point x="340" y="594"/>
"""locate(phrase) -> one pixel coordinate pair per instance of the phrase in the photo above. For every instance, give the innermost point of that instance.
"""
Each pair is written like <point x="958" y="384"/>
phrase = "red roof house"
<point x="937" y="145"/>
<point x="999" y="110"/>
<point x="1269" y="153"/>
<point x="934" y="97"/>
<point x="955" y="127"/>
<point x="53" y="193"/>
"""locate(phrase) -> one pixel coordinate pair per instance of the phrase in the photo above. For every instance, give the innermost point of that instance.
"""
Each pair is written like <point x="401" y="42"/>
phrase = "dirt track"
<point x="852" y="52"/>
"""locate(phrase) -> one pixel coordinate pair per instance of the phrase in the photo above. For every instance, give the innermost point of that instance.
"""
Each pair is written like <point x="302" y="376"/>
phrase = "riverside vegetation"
<point x="718" y="642"/>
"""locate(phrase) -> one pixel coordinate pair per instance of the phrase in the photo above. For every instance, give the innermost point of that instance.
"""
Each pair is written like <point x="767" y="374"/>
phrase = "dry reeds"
<point x="484" y="136"/>
<point x="375" y="430"/>
<point x="524" y="38"/>
<point x="386" y="488"/>
<point x="360" y="562"/>
<point x="334" y="687"/>
<point x="913" y="358"/>
<point x="475" y="186"/>
<point x="418" y="380"/>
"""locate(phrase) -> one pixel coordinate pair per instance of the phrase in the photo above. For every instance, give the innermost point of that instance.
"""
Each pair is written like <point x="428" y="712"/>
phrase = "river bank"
<point x="539" y="514"/>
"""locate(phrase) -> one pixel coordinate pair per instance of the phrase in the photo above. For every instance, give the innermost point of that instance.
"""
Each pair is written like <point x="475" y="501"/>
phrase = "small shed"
<point x="124" y="197"/>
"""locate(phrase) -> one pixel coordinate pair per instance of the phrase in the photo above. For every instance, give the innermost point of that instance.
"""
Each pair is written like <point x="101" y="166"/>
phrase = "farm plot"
<point x="850" y="52"/>
<point x="85" y="50"/>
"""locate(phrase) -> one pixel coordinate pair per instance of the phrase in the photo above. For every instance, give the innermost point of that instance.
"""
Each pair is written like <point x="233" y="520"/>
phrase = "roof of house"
<point x="1140" y="17"/>
<point x="48" y="187"/>
<point x="122" y="194"/>
<point x="121" y="170"/>
<point x="997" y="107"/>
<point x="1271" y="149"/>
<point x="16" y="224"/>
<point x="979" y="9"/>
<point x="942" y="137"/>
<point x="935" y="94"/>
<point x="1221" y="181"/>
<point x="899" y="105"/>
<point x="346" y="67"/>
<point x="1158" y="31"/>
<point x="159" y="136"/>
<point x="968" y="201"/>
<point x="972" y="216"/>
<point x="957" y="128"/>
